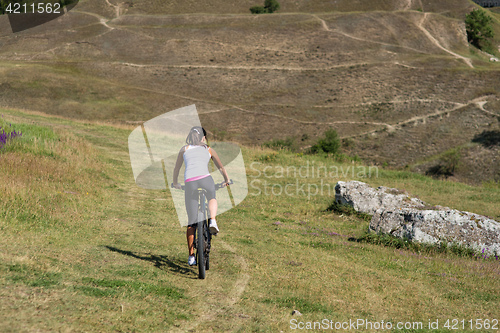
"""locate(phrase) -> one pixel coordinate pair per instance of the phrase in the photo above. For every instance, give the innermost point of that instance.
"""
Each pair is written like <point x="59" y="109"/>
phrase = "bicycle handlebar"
<point x="218" y="186"/>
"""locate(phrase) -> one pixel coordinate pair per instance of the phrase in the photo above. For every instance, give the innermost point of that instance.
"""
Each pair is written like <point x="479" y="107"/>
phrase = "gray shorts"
<point x="191" y="196"/>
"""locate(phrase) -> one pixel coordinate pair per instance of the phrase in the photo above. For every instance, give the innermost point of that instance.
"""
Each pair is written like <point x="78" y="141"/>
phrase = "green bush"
<point x="270" y="6"/>
<point x="478" y="27"/>
<point x="448" y="164"/>
<point x="258" y="10"/>
<point x="329" y="144"/>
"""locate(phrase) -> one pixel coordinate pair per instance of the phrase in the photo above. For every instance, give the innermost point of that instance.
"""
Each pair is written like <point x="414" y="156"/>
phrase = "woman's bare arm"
<point x="177" y="167"/>
<point x="219" y="165"/>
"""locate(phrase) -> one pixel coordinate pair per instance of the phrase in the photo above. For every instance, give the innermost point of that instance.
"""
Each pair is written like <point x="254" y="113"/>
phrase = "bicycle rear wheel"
<point x="201" y="249"/>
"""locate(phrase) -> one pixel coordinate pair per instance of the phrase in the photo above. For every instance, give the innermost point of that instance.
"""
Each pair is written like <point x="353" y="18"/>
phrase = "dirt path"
<point x="419" y="26"/>
<point x="326" y="28"/>
<point x="479" y="102"/>
<point x="116" y="7"/>
<point x="436" y="43"/>
<point x="481" y="105"/>
<point x="390" y="127"/>
<point x="105" y="22"/>
<point x="408" y="4"/>
<point x="223" y="303"/>
<point x="261" y="68"/>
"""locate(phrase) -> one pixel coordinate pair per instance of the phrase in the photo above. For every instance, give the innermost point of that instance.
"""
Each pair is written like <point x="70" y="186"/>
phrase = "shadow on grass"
<point x="488" y="138"/>
<point x="406" y="244"/>
<point x="162" y="262"/>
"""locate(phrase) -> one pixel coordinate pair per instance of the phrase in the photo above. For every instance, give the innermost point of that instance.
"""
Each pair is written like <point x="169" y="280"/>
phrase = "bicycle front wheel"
<point x="201" y="249"/>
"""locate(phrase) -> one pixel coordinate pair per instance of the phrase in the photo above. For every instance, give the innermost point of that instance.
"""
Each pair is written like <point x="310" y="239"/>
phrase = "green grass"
<point x="19" y="273"/>
<point x="398" y="243"/>
<point x="305" y="305"/>
<point x="108" y="287"/>
<point x="91" y="251"/>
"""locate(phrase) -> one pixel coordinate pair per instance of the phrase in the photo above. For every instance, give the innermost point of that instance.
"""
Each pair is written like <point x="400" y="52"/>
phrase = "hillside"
<point x="86" y="250"/>
<point x="396" y="79"/>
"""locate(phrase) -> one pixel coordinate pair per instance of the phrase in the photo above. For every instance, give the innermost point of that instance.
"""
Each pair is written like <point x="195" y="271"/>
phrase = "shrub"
<point x="329" y="144"/>
<point x="258" y="10"/>
<point x="448" y="163"/>
<point x="478" y="27"/>
<point x="271" y="6"/>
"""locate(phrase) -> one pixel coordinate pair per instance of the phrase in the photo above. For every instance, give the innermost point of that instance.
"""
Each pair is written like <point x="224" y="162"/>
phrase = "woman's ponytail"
<point x="196" y="135"/>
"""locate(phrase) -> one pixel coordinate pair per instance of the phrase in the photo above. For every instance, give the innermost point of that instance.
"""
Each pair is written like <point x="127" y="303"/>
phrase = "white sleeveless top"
<point x="196" y="159"/>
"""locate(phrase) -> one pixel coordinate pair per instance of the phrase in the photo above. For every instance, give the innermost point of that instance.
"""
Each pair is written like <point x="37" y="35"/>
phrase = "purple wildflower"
<point x="4" y="136"/>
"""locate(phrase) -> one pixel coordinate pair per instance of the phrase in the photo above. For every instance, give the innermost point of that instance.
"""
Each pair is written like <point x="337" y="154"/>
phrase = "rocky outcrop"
<point x="366" y="199"/>
<point x="397" y="214"/>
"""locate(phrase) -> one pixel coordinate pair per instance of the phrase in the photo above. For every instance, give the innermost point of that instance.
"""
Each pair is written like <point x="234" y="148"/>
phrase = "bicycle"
<point x="203" y="243"/>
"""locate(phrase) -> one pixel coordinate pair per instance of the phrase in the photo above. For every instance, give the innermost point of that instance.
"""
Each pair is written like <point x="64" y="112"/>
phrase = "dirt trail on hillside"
<point x="222" y="303"/>
<point x="435" y="42"/>
<point x="409" y="4"/>
<point x="117" y="8"/>
<point x="479" y="102"/>
<point x="104" y="21"/>
<point x="326" y="28"/>
<point x="419" y="26"/>
<point x="248" y="67"/>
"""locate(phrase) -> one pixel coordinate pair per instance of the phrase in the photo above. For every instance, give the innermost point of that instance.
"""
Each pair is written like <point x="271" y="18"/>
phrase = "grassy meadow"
<point x="85" y="250"/>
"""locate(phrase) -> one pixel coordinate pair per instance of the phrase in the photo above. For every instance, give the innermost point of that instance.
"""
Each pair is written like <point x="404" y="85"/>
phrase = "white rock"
<point x="366" y="199"/>
<point x="404" y="217"/>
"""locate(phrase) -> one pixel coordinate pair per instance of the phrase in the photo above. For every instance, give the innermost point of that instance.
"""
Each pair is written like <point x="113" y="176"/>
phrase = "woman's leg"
<point x="190" y="239"/>
<point x="212" y="207"/>
<point x="191" y="201"/>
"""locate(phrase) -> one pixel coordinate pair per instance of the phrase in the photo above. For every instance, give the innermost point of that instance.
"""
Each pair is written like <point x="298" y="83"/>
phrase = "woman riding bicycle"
<point x="196" y="155"/>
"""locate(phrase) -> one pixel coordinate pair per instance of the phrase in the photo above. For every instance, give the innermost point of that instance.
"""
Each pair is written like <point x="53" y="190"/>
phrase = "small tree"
<point x="271" y="6"/>
<point x="478" y="27"/>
